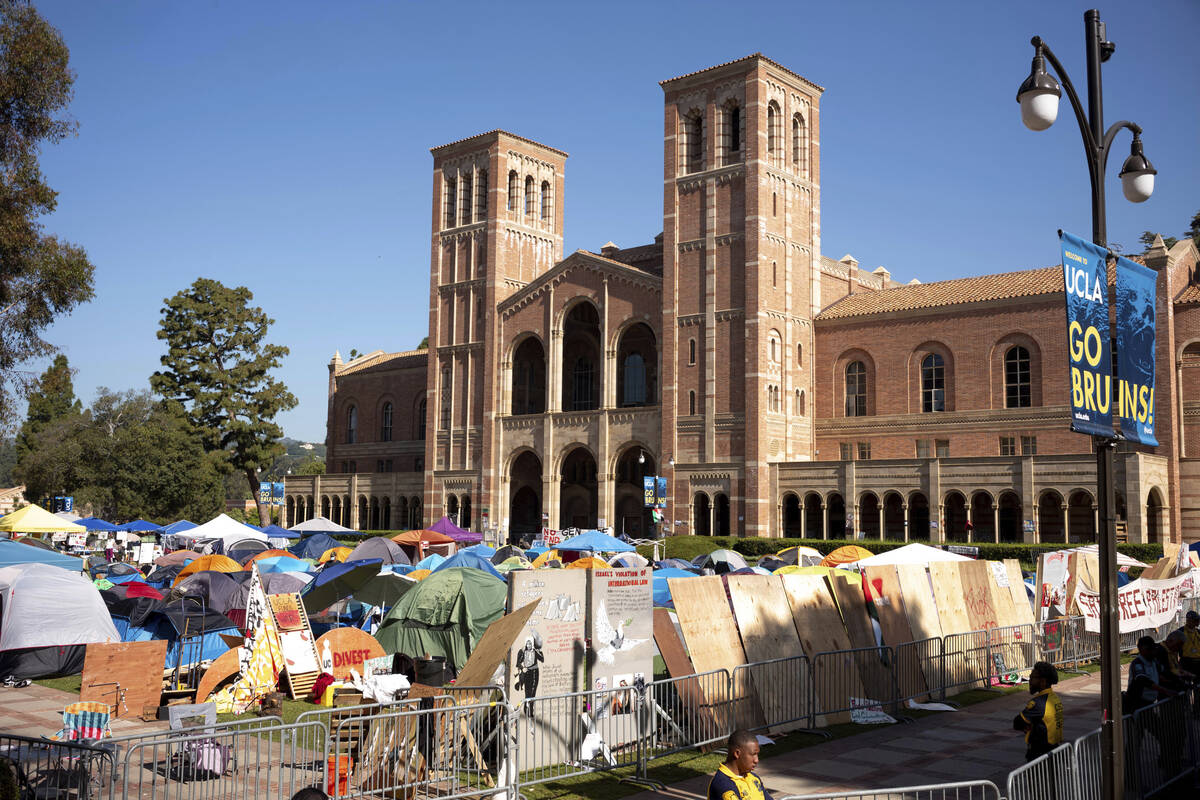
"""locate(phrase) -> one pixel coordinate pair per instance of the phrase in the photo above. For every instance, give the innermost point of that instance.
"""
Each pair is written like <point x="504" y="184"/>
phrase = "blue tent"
<point x="467" y="559"/>
<point x="283" y="564"/>
<point x="96" y="524"/>
<point x="484" y="550"/>
<point x="314" y="546"/>
<point x="662" y="592"/>
<point x="276" y="532"/>
<point x="430" y="562"/>
<point x="140" y="526"/>
<point x="179" y="527"/>
<point x="596" y="542"/>
<point x="16" y="553"/>
<point x="170" y="621"/>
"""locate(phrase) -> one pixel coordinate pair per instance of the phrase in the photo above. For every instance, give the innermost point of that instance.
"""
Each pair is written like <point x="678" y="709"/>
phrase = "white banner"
<point x="1141" y="604"/>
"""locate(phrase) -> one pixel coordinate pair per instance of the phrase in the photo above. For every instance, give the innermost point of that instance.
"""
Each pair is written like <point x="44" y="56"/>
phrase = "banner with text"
<point x="1135" y="350"/>
<point x="1085" y="277"/>
<point x="1142" y="604"/>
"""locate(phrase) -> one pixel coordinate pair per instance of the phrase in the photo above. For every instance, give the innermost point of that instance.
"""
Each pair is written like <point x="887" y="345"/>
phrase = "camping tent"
<point x="314" y="546"/>
<point x="914" y="553"/>
<point x="445" y="526"/>
<point x="47" y="618"/>
<point x="14" y="553"/>
<point x="276" y="532"/>
<point x="35" y="519"/>
<point x="319" y="525"/>
<point x="444" y="615"/>
<point x="596" y="542"/>
<point x="222" y="528"/>
<point x="179" y="621"/>
<point x="471" y="560"/>
<point x="385" y="550"/>
<point x="140" y="526"/>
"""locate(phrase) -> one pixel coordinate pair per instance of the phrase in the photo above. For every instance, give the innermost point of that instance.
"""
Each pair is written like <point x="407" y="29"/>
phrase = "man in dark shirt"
<point x="1042" y="717"/>
<point x="734" y="780"/>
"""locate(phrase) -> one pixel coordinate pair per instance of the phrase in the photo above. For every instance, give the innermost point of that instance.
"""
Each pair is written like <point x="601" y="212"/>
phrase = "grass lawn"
<point x="71" y="683"/>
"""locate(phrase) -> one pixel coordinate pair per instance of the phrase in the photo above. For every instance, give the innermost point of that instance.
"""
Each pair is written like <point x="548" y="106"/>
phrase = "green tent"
<point x="444" y="615"/>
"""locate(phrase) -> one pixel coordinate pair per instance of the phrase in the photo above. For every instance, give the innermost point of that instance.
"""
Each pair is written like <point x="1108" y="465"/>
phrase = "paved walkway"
<point x="37" y="711"/>
<point x="973" y="743"/>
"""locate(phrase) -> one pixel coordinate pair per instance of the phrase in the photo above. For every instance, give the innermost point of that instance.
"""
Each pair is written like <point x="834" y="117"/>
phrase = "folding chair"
<point x="88" y="721"/>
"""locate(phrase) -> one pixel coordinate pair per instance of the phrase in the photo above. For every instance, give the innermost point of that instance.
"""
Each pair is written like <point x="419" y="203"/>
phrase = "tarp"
<point x="140" y="526"/>
<point x="914" y="553"/>
<point x="320" y="525"/>
<point x="179" y="527"/>
<point x="471" y="561"/>
<point x="96" y="524"/>
<point x="259" y="556"/>
<point x="313" y="546"/>
<point x="35" y="519"/>
<point x="45" y="606"/>
<point x="446" y="526"/>
<point x="385" y="550"/>
<point x="282" y="564"/>
<point x="276" y="532"/>
<point x="444" y="615"/>
<point x="12" y="553"/>
<point x="596" y="542"/>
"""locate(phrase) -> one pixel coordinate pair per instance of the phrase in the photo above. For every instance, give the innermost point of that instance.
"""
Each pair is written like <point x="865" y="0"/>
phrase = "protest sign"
<point x="1141" y="604"/>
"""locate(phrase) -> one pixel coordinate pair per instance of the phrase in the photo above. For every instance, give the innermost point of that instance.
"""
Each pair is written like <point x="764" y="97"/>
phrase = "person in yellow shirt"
<point x="735" y="779"/>
<point x="1042" y="717"/>
<point x="1189" y="656"/>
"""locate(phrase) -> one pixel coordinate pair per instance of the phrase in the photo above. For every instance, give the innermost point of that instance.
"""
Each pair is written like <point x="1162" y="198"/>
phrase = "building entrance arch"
<point x="578" y="490"/>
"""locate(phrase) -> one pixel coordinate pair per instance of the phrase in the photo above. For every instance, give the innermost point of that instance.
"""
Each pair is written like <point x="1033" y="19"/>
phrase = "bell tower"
<point x="497" y="224"/>
<point x="741" y="284"/>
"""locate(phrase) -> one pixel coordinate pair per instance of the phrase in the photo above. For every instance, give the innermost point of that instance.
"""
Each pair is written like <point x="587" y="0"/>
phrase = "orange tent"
<point x="416" y="537"/>
<point x="844" y="555"/>
<point x="213" y="563"/>
<point x="418" y="574"/>
<point x="267" y="554"/>
<point x="544" y="559"/>
<point x="590" y="562"/>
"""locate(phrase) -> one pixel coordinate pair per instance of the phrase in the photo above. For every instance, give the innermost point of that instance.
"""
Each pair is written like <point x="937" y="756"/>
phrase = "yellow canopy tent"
<point x="846" y="555"/>
<point x="35" y="519"/>
<point x="335" y="554"/>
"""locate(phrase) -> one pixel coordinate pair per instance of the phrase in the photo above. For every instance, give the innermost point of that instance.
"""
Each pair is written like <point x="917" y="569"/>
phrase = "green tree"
<point x="314" y="466"/>
<point x="1147" y="239"/>
<point x="40" y="276"/>
<point x="424" y="345"/>
<point x="1193" y="231"/>
<point x="218" y="367"/>
<point x="54" y="397"/>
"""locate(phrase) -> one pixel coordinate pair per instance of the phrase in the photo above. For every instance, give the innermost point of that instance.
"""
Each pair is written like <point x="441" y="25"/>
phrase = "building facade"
<point x="779" y="391"/>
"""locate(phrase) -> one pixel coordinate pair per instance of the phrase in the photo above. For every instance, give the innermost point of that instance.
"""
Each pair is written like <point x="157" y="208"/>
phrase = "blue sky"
<point x="285" y="146"/>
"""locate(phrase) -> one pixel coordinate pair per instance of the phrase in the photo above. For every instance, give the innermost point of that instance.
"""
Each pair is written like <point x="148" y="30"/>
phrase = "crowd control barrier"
<point x="962" y="790"/>
<point x="40" y="768"/>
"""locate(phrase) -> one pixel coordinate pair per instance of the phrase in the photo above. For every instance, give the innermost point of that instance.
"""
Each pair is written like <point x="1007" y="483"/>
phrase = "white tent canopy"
<point x="909" y="554"/>
<point x="320" y="525"/>
<point x="46" y="606"/>
<point x="1094" y="550"/>
<point x="224" y="528"/>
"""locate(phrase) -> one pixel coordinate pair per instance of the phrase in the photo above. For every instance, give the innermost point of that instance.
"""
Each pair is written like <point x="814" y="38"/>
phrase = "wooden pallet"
<point x="290" y="616"/>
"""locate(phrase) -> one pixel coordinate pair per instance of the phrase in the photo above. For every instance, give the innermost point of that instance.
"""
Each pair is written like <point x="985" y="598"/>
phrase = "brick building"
<point x="781" y="392"/>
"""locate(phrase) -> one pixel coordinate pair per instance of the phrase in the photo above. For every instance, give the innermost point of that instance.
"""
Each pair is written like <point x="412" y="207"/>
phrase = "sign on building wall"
<point x="1135" y="351"/>
<point x="1085" y="276"/>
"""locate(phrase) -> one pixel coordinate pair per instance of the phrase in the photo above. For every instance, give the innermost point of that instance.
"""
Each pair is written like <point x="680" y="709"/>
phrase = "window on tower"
<point x="530" y="197"/>
<point x="481" y="196"/>
<point x="773" y="148"/>
<point x="513" y="188"/>
<point x="451" y="201"/>
<point x="547" y="207"/>
<point x="799" y="145"/>
<point x="856" y="389"/>
<point x="467" y="197"/>
<point x="694" y="141"/>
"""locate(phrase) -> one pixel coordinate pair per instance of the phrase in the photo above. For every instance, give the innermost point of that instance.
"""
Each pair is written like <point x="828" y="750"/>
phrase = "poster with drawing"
<point x="621" y="658"/>
<point x="548" y="659"/>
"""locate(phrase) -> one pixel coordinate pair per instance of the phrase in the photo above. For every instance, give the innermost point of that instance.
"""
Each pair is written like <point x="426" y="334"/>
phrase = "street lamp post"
<point x="1039" y="96"/>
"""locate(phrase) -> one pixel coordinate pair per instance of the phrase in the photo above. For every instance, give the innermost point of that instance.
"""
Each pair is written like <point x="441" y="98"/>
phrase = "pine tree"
<point x="53" y="398"/>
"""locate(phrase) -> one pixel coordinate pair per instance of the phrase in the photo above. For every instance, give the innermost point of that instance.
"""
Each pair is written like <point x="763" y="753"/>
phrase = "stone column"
<point x="550" y="486"/>
<point x="803" y="520"/>
<point x="996" y="522"/>
<point x="882" y="519"/>
<point x="824" y="522"/>
<point x="971" y="520"/>
<point x="353" y="515"/>
<point x="906" y="531"/>
<point x="1096" y="518"/>
<point x="1066" y="512"/>
<point x="1037" y="523"/>
<point x="712" y="517"/>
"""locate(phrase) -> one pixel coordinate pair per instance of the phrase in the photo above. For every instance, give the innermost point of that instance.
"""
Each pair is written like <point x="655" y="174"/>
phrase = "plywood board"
<point x="977" y="596"/>
<point x="874" y="669"/>
<point x="344" y="649"/>
<point x="712" y="639"/>
<point x="764" y="620"/>
<point x="820" y="628"/>
<point x="702" y="698"/>
<point x="947" y="590"/>
<point x="493" y="647"/>
<point x="1006" y="614"/>
<point x="893" y="624"/>
<point x="224" y="667"/>
<point x="1016" y="590"/>
<point x="128" y="676"/>
<point x="919" y="603"/>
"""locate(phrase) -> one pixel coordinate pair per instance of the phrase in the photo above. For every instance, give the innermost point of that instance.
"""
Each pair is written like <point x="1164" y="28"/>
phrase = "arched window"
<point x="731" y="132"/>
<point x="445" y="388"/>
<point x="513" y="188"/>
<point x="635" y="380"/>
<point x="385" y="423"/>
<point x="547" y="208"/>
<point x="774" y="274"/>
<point x="451" y="201"/>
<point x="530" y="197"/>
<point x="856" y="389"/>
<point x="694" y="141"/>
<point x="583" y="375"/>
<point x="692" y="403"/>
<point x="1018" y="387"/>
<point x="774" y="204"/>
<point x="773" y="149"/>
<point x="420" y="420"/>
<point x="467" y="195"/>
<point x="933" y="383"/>
<point x="481" y="195"/>
<point x="799" y="354"/>
<point x="691" y="351"/>
<point x="352" y="425"/>
<point x="799" y="144"/>
<point x="481" y="255"/>
<point x="774" y="344"/>
<point x="801" y="401"/>
<point x="796" y="402"/>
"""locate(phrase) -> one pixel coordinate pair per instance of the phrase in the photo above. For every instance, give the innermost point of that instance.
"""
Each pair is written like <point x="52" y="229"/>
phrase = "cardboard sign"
<point x="287" y="612"/>
<point x="1141" y="604"/>
<point x="342" y="649"/>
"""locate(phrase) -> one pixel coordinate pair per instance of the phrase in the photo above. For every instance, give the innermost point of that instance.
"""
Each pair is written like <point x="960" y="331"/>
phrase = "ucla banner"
<point x="1135" y="351"/>
<point x="1085" y="276"/>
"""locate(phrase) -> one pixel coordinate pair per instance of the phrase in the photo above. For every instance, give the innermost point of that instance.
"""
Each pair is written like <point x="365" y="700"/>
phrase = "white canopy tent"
<point x="320" y="525"/>
<point x="1094" y="550"/>
<point x="221" y="528"/>
<point x="914" y="553"/>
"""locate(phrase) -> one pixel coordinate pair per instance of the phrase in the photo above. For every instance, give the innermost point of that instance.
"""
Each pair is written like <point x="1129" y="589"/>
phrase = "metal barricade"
<point x="963" y="790"/>
<point x="784" y="690"/>
<point x="441" y="749"/>
<point x="965" y="660"/>
<point x="687" y="713"/>
<point x="42" y="768"/>
<point x="839" y="676"/>
<point x="268" y="761"/>
<point x="1087" y="766"/>
<point x="1011" y="652"/>
<point x="1064" y="641"/>
<point x="1048" y="777"/>
<point x="1158" y="750"/>
<point x="919" y="670"/>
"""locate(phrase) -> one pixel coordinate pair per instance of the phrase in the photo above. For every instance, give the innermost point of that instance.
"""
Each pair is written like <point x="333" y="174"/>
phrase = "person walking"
<point x="735" y="778"/>
<point x="1042" y="717"/>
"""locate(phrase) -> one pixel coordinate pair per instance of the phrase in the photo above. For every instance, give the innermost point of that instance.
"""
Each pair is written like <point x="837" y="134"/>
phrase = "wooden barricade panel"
<point x="947" y="589"/>
<point x="224" y="667"/>
<point x="893" y="624"/>
<point x="679" y="666"/>
<point x="821" y="630"/>
<point x="1006" y="613"/>
<point x="977" y="596"/>
<point x="874" y="671"/>
<point x="764" y="620"/>
<point x="128" y="676"/>
<point x="712" y="637"/>
<point x="921" y="610"/>
<point x="1016" y="589"/>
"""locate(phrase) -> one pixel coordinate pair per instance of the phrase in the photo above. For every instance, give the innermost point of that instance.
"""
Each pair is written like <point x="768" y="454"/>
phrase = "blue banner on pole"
<point x="1136" y="285"/>
<point x="1085" y="277"/>
<point x="660" y="500"/>
<point x="648" y="491"/>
